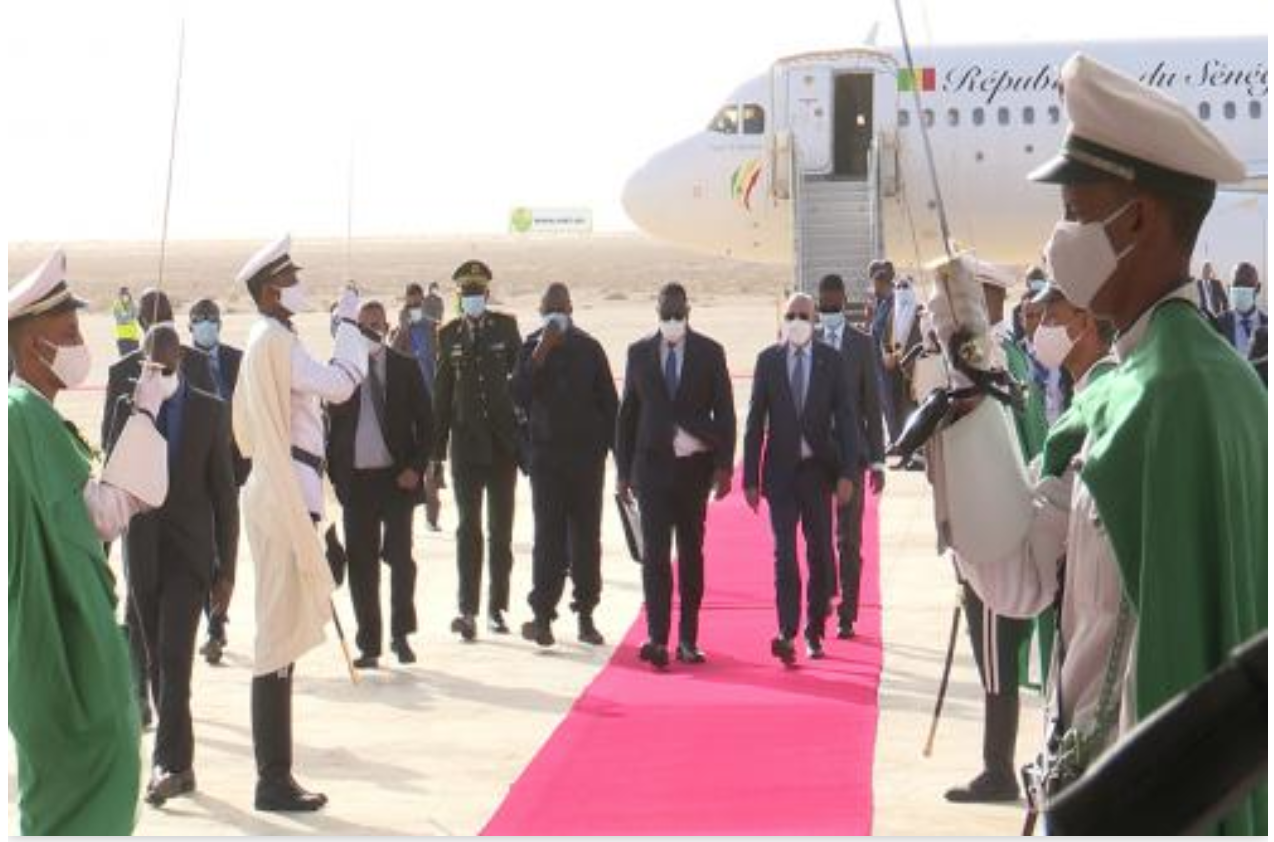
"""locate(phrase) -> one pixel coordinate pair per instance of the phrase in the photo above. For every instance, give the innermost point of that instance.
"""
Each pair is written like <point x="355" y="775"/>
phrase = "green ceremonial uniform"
<point x="72" y="712"/>
<point x="1177" y="467"/>
<point x="1031" y="422"/>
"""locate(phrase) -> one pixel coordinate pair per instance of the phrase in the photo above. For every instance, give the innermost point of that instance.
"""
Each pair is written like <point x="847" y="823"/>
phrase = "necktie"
<point x="798" y="382"/>
<point x="670" y="371"/>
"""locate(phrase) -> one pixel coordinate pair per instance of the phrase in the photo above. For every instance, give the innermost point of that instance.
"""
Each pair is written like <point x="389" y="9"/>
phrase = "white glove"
<point x="150" y="390"/>
<point x="347" y="307"/>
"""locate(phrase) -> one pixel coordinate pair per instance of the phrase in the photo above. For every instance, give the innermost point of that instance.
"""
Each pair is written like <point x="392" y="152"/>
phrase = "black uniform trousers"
<point x="163" y="617"/>
<point x="996" y="642"/>
<point x="679" y="507"/>
<point x="498" y="480"/>
<point x="568" y="527"/>
<point x="377" y="519"/>
<point x="849" y="551"/>
<point x="808" y="504"/>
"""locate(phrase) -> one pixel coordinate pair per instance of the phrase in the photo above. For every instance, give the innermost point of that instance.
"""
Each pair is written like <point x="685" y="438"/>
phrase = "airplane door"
<point x="854" y="121"/>
<point x="809" y="98"/>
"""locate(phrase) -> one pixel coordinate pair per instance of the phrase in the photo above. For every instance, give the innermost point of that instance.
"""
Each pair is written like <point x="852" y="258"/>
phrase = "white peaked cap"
<point x="1122" y="129"/>
<point x="269" y="261"/>
<point x="44" y="290"/>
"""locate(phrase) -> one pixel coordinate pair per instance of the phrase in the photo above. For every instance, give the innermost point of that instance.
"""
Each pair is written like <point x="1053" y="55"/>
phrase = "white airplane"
<point x="820" y="161"/>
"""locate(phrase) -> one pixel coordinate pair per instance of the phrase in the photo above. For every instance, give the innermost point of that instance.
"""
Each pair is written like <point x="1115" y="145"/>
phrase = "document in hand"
<point x="630" y="516"/>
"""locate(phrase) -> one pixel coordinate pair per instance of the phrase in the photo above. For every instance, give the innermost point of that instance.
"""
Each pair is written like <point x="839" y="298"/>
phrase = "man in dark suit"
<point x="1211" y="292"/>
<point x="800" y="444"/>
<point x="563" y="384"/>
<point x="223" y="366"/>
<point x="861" y="359"/>
<point x="178" y="555"/>
<point x="378" y="449"/>
<point x="1240" y="324"/>
<point x="674" y="445"/>
<point x="152" y="308"/>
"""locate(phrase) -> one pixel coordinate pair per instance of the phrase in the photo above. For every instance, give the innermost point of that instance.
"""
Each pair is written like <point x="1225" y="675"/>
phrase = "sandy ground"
<point x="432" y="748"/>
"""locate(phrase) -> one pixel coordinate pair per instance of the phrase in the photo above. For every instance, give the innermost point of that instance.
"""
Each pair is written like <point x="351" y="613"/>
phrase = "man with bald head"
<point x="800" y="450"/>
<point x="562" y="382"/>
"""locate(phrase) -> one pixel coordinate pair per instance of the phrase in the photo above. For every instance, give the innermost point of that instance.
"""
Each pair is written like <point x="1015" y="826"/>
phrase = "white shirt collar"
<point x="1083" y="382"/>
<point x="1128" y="341"/>
<point x="15" y="380"/>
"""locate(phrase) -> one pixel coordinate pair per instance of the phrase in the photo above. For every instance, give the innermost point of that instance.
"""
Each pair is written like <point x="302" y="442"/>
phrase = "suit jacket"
<point x="861" y="357"/>
<point x="1213" y="299"/>
<point x="198" y="524"/>
<point x="408" y="424"/>
<point x="703" y="407"/>
<point x="1228" y="324"/>
<point x="122" y="378"/>
<point x="228" y="359"/>
<point x="829" y="423"/>
<point x="570" y="401"/>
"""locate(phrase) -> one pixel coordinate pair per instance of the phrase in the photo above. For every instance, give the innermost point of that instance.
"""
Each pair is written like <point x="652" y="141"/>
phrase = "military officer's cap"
<point x="1123" y="130"/>
<point x="472" y="272"/>
<point x="43" y="291"/>
<point x="270" y="262"/>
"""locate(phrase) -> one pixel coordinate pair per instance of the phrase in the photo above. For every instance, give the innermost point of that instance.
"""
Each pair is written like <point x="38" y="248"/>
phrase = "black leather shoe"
<point x="783" y="649"/>
<point x="688" y="653"/>
<point x="496" y="623"/>
<point x="366" y="662"/>
<point x="655" y="654"/>
<point x="988" y="787"/>
<point x="165" y="784"/>
<point x="400" y="647"/>
<point x="287" y="796"/>
<point x="538" y="632"/>
<point x="814" y="646"/>
<point x="465" y="627"/>
<point x="845" y="630"/>
<point x="588" y="632"/>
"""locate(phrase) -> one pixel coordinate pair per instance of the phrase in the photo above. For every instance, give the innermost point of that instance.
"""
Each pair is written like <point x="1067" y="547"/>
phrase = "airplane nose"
<point x="640" y="198"/>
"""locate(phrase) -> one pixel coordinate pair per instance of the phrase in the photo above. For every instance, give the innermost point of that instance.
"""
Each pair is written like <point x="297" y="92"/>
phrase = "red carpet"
<point x="735" y="746"/>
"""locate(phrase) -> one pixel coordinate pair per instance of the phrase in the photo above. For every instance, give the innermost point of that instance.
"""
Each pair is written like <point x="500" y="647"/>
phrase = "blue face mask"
<point x="205" y="333"/>
<point x="832" y="321"/>
<point x="473" y="306"/>
<point x="1243" y="298"/>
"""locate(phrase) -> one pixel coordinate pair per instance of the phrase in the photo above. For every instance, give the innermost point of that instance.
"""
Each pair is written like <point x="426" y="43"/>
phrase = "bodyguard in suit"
<point x="170" y="553"/>
<point x="564" y="386"/>
<point x="674" y="446"/>
<point x="1211" y="292"/>
<point x="153" y="307"/>
<point x="473" y="411"/>
<point x="223" y="366"/>
<point x="1239" y="325"/>
<point x="801" y="447"/>
<point x="378" y="449"/>
<point x="861" y="359"/>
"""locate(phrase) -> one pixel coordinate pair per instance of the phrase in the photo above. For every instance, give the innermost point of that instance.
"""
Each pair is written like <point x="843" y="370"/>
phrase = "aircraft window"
<point x="1054" y="114"/>
<point x="1230" y="110"/>
<point x="753" y="119"/>
<point x="904" y="118"/>
<point x="928" y="116"/>
<point x="726" y="121"/>
<point x="953" y="117"/>
<point x="1002" y="116"/>
<point x="1205" y="111"/>
<point x="1254" y="109"/>
<point x="1028" y="115"/>
<point x="979" y="116"/>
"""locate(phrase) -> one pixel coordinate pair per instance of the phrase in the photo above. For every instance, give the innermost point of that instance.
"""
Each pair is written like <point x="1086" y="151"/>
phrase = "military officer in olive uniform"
<point x="473" y="410"/>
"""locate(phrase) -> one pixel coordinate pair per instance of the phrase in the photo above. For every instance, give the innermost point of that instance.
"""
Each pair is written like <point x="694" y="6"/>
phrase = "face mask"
<point x="205" y="334"/>
<point x="1082" y="258"/>
<point x="672" y="330"/>
<point x="71" y="363"/>
<point x="798" y="332"/>
<point x="170" y="384"/>
<point x="416" y="314"/>
<point x="562" y="321"/>
<point x="832" y="321"/>
<point x="293" y="298"/>
<point x="473" y="306"/>
<point x="1053" y="345"/>
<point x="1243" y="298"/>
<point x="904" y="296"/>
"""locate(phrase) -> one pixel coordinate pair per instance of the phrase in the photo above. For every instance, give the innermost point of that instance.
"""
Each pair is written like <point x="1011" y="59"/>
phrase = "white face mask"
<point x="832" y="321"/>
<point x="416" y="314"/>
<point x="672" y="330"/>
<point x="170" y="384"/>
<point x="1082" y="258"/>
<point x="473" y="306"/>
<point x="562" y="321"/>
<point x="1053" y="345"/>
<point x="293" y="298"/>
<point x="798" y="332"/>
<point x="71" y="363"/>
<point x="1243" y="298"/>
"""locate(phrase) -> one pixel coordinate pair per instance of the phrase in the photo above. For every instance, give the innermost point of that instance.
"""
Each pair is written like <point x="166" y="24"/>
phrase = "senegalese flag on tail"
<point x="920" y="79"/>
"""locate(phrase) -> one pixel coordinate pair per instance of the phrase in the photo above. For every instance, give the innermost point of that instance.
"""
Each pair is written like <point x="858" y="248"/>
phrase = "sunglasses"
<point x="805" y="317"/>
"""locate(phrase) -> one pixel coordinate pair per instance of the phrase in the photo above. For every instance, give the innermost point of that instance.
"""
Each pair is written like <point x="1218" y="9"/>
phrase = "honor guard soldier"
<point x="473" y="412"/>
